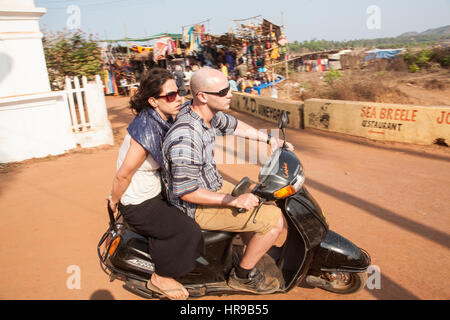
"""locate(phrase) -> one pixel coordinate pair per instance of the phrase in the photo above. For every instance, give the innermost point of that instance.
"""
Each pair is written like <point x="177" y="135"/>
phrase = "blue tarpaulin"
<point x="265" y="85"/>
<point x="382" y="54"/>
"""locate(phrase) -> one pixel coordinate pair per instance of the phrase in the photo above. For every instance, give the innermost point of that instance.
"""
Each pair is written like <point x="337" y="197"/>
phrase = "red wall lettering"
<point x="443" y="118"/>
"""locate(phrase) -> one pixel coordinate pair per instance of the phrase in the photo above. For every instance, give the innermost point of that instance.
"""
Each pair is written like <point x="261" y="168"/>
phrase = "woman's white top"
<point x="146" y="183"/>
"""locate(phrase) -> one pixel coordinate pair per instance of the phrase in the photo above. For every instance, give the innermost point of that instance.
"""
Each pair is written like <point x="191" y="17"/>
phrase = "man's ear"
<point x="202" y="97"/>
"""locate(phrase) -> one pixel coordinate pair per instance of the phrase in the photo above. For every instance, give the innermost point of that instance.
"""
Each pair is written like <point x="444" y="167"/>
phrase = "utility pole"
<point x="285" y="55"/>
<point x="126" y="39"/>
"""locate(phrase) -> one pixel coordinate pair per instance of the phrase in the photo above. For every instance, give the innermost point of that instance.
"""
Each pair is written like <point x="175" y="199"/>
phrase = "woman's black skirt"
<point x="175" y="240"/>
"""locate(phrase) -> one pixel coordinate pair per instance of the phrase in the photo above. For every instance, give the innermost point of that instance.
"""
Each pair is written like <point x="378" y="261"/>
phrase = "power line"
<point x="54" y="1"/>
<point x="189" y="25"/>
<point x="238" y="20"/>
<point x="81" y="4"/>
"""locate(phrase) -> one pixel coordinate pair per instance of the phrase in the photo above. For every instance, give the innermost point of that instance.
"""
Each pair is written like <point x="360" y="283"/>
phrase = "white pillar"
<point x="23" y="69"/>
<point x="34" y="122"/>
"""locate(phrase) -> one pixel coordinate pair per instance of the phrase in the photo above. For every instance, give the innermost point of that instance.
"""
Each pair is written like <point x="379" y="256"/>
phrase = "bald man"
<point x="196" y="187"/>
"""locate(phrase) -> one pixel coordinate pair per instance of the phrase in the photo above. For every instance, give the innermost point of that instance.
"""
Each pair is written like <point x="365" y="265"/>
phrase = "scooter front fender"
<point x="336" y="253"/>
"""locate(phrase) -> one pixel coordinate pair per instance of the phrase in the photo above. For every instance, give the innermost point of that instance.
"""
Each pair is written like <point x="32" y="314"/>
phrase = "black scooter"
<point x="311" y="253"/>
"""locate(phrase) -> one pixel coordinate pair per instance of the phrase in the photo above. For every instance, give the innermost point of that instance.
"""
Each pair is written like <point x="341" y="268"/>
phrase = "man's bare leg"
<point x="259" y="244"/>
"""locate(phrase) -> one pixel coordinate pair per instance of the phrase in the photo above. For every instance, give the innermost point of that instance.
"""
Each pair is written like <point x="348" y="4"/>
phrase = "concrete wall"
<point x="268" y="108"/>
<point x="379" y="121"/>
<point x="38" y="125"/>
<point x="34" y="125"/>
<point x="100" y="127"/>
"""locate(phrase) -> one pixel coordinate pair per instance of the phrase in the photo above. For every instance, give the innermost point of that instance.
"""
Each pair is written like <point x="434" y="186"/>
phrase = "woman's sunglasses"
<point x="171" y="96"/>
<point x="221" y="93"/>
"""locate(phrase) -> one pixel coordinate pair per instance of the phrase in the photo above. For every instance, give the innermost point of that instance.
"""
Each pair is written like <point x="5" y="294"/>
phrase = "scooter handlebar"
<point x="112" y="220"/>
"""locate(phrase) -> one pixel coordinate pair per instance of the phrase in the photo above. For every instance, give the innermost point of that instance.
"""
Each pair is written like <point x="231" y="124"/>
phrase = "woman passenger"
<point x="174" y="239"/>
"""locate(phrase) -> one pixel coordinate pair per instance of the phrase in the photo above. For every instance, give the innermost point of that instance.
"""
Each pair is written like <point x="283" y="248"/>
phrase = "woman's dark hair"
<point x="150" y="86"/>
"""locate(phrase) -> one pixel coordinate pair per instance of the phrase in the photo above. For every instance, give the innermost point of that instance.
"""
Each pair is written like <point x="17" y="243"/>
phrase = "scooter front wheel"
<point x="339" y="282"/>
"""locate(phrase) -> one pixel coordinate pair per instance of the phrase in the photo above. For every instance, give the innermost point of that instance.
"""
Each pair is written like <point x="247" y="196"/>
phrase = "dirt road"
<point x="390" y="199"/>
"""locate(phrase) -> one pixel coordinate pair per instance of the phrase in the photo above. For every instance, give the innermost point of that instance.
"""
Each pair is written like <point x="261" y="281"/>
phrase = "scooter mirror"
<point x="283" y="120"/>
<point x="241" y="187"/>
<point x="282" y="124"/>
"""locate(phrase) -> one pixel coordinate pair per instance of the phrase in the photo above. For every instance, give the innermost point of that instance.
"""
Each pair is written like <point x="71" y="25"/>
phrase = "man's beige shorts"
<point x="228" y="219"/>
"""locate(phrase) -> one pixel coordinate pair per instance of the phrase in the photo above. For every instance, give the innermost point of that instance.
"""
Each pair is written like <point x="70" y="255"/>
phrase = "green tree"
<point x="70" y="54"/>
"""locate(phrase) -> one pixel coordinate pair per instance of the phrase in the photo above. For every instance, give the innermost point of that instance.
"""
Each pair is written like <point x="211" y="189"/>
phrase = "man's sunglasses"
<point x="221" y="93"/>
<point x="171" y="96"/>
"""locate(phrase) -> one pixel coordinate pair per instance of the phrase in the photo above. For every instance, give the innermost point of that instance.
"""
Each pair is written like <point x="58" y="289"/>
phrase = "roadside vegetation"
<point x="407" y="40"/>
<point x="70" y="54"/>
<point x="418" y="76"/>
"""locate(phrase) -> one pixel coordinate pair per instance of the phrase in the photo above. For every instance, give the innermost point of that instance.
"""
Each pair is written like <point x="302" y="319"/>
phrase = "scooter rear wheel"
<point x="344" y="282"/>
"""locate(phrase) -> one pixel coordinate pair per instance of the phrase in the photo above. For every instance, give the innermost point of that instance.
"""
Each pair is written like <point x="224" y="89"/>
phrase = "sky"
<point x="303" y="19"/>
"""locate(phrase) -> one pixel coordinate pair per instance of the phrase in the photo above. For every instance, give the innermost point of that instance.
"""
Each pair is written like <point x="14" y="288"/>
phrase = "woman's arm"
<point x="134" y="158"/>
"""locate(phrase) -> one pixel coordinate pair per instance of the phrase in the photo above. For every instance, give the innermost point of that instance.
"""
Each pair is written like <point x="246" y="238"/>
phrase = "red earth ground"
<point x="389" y="198"/>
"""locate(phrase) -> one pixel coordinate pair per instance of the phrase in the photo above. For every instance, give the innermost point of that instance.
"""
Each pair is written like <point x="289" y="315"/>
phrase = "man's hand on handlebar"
<point x="246" y="201"/>
<point x="278" y="143"/>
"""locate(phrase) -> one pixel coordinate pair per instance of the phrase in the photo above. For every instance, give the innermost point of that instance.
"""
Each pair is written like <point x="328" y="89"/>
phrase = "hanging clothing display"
<point x="314" y="65"/>
<point x="275" y="55"/>
<point x="191" y="39"/>
<point x="282" y="41"/>
<point x="161" y="47"/>
<point x="110" y="81"/>
<point x="186" y="35"/>
<point x="139" y="49"/>
<point x="257" y="47"/>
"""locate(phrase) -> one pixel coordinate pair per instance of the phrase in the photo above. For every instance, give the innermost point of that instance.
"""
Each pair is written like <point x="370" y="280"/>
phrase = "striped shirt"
<point x="188" y="155"/>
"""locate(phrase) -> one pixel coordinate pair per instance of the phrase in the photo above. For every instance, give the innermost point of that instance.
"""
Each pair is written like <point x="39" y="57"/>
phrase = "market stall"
<point x="243" y="54"/>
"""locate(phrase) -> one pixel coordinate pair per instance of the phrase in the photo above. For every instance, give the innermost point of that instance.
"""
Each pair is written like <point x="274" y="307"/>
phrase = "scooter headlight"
<point x="284" y="192"/>
<point x="292" y="188"/>
<point x="297" y="183"/>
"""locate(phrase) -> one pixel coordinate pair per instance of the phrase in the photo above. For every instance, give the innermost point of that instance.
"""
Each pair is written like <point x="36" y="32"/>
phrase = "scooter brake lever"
<point x="242" y="210"/>
<point x="257" y="210"/>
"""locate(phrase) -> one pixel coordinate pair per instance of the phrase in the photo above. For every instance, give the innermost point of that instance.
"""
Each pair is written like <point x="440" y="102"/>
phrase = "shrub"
<point x="427" y="58"/>
<point x="414" y="68"/>
<point x="424" y="57"/>
<point x="70" y="54"/>
<point x="446" y="61"/>
<point x="332" y="76"/>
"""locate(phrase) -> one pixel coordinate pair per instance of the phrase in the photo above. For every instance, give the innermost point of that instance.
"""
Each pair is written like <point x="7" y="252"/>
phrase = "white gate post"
<point x="80" y="103"/>
<point x="95" y="101"/>
<point x="98" y="115"/>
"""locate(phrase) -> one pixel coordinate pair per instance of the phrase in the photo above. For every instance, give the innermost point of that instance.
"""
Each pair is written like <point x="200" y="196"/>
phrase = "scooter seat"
<point x="210" y="236"/>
